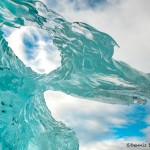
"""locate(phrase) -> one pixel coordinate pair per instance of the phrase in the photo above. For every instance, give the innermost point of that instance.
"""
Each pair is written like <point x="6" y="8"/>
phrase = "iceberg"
<point x="87" y="70"/>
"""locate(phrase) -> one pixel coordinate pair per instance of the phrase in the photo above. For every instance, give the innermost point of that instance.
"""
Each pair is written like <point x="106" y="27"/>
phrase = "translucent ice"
<point x="87" y="70"/>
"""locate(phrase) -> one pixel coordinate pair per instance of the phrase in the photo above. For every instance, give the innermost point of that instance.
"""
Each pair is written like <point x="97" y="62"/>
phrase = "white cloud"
<point x="45" y="58"/>
<point x="116" y="144"/>
<point x="148" y="119"/>
<point x="146" y="131"/>
<point x="126" y="21"/>
<point x="91" y="120"/>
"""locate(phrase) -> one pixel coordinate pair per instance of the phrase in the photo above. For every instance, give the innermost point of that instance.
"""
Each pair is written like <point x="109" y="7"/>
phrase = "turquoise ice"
<point x="87" y="70"/>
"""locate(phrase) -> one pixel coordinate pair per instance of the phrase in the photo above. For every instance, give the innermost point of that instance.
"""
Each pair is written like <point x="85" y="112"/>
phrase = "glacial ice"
<point x="87" y="70"/>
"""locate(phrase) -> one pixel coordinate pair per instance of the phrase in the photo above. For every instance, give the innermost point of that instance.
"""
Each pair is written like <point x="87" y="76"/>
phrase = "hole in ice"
<point x="35" y="48"/>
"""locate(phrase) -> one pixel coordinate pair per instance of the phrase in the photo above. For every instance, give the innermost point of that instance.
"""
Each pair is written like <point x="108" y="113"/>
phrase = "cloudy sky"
<point x="98" y="126"/>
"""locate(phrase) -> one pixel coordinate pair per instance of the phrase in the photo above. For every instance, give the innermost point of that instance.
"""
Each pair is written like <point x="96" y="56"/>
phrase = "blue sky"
<point x="98" y="126"/>
<point x="101" y="125"/>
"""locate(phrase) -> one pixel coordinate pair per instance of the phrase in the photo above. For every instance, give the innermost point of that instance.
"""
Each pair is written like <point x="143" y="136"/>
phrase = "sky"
<point x="98" y="126"/>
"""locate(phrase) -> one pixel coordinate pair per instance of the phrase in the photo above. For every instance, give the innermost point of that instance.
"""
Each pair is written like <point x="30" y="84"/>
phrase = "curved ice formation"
<point x="87" y="70"/>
